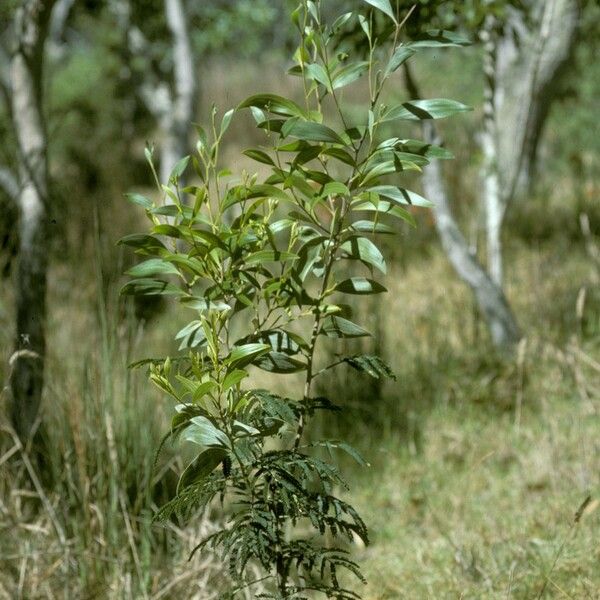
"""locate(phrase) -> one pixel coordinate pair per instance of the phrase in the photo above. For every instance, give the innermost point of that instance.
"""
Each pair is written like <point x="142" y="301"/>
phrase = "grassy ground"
<point x="486" y="509"/>
<point x="482" y="464"/>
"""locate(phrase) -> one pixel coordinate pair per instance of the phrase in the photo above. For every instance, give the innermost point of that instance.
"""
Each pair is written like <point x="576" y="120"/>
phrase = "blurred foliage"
<point x="98" y="125"/>
<point x="573" y="149"/>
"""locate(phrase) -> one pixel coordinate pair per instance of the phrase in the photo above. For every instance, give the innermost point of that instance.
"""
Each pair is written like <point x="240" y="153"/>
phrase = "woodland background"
<point x="480" y="457"/>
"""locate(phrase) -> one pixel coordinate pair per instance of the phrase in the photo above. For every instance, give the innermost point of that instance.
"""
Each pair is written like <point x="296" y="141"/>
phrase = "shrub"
<point x="265" y="264"/>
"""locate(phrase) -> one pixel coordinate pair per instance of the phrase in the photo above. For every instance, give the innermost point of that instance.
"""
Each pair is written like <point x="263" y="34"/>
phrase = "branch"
<point x="5" y="74"/>
<point x="57" y="27"/>
<point x="530" y="60"/>
<point x="9" y="184"/>
<point x="154" y="93"/>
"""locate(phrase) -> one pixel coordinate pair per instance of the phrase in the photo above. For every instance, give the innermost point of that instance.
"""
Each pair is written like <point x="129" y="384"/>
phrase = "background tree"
<point x="166" y="85"/>
<point x="526" y="46"/>
<point x="24" y="86"/>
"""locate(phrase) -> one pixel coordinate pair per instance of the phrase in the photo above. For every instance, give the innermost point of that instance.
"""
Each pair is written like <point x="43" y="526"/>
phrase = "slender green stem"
<point x="329" y="262"/>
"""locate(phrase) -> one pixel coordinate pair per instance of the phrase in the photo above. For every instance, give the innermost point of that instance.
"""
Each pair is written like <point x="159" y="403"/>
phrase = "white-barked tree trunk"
<point x="26" y="89"/>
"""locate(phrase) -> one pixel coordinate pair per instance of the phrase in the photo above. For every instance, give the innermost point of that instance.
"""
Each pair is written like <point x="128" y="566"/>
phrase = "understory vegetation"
<point x="483" y="476"/>
<point x="477" y="469"/>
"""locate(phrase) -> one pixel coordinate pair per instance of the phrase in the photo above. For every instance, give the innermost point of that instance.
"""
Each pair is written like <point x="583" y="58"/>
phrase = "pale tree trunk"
<point x="181" y="113"/>
<point x="494" y="207"/>
<point x="522" y="65"/>
<point x="172" y="105"/>
<point x="55" y="45"/>
<point x="9" y="184"/>
<point x="27" y="362"/>
<point x="489" y="296"/>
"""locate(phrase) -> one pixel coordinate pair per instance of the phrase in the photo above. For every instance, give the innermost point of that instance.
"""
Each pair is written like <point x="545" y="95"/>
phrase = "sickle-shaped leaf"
<point x="139" y="199"/>
<point x="280" y="340"/>
<point x="191" y="335"/>
<point x="387" y="208"/>
<point x="400" y="195"/>
<point x="384" y="6"/>
<point x="203" y="304"/>
<point x="310" y="131"/>
<point x="400" y="56"/>
<point x="318" y="73"/>
<point x="259" y="156"/>
<point x="273" y="103"/>
<point x="179" y="168"/>
<point x="243" y="355"/>
<point x="365" y="250"/>
<point x="150" y="287"/>
<point x="360" y="286"/>
<point x="349" y="73"/>
<point x="265" y="256"/>
<point x="203" y="432"/>
<point x="146" y="244"/>
<point x="233" y="378"/>
<point x="204" y="464"/>
<point x="419" y="110"/>
<point x="423" y="149"/>
<point x="435" y="38"/>
<point x="342" y="328"/>
<point x="278" y="362"/>
<point x="365" y="226"/>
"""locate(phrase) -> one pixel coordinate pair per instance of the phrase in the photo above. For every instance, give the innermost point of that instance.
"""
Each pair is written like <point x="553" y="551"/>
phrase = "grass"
<point x="482" y="510"/>
<point x="466" y="496"/>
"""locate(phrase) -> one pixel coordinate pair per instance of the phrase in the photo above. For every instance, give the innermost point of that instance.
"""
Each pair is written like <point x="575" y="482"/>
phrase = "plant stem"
<point x="315" y="330"/>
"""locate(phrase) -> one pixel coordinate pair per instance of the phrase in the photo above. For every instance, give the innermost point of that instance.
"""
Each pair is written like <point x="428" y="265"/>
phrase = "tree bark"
<point x="9" y="184"/>
<point x="489" y="296"/>
<point x="56" y="47"/>
<point x="27" y="362"/>
<point x="176" y="129"/>
<point x="528" y="64"/>
<point x="172" y="105"/>
<point x="493" y="204"/>
<point x="521" y="66"/>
